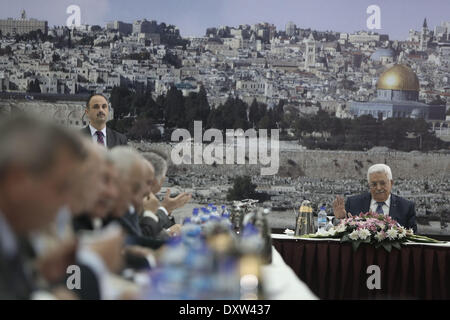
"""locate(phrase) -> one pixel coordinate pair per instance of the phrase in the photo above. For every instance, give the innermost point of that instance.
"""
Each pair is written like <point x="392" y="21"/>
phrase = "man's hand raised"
<point x="174" y="203"/>
<point x="151" y="203"/>
<point x="339" y="208"/>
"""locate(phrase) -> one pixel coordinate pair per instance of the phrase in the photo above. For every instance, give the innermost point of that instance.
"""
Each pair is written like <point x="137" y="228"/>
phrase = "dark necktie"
<point x="380" y="208"/>
<point x="100" y="138"/>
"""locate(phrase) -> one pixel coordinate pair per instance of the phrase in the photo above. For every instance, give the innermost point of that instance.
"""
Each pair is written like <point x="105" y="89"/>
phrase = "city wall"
<point x="333" y="165"/>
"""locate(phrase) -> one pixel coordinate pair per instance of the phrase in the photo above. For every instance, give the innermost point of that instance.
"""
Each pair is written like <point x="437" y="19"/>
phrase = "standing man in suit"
<point x="97" y="111"/>
<point x="379" y="199"/>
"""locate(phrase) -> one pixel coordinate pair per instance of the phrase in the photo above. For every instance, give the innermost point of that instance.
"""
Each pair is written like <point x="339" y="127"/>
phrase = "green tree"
<point x="203" y="105"/>
<point x="268" y="121"/>
<point x="152" y="109"/>
<point x="303" y="125"/>
<point x="174" y="110"/>
<point x="192" y="112"/>
<point x="366" y="130"/>
<point x="243" y="188"/>
<point x="253" y="114"/>
<point x="121" y="125"/>
<point x="144" y="129"/>
<point x="278" y="111"/>
<point x="121" y="101"/>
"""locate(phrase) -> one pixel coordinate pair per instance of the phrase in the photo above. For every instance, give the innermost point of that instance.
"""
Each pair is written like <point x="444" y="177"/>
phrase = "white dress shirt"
<point x="385" y="207"/>
<point x="164" y="210"/>
<point x="149" y="214"/>
<point x="94" y="135"/>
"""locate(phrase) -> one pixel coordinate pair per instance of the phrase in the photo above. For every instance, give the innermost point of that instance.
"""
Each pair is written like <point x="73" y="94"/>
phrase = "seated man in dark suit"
<point x="133" y="175"/>
<point x="379" y="199"/>
<point x="90" y="215"/>
<point x="157" y="219"/>
<point x="57" y="246"/>
<point x="36" y="165"/>
<point x="97" y="110"/>
<point x="111" y="193"/>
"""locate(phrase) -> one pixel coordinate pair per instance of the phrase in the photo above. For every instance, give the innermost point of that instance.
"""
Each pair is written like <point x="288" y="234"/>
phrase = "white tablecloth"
<point x="285" y="236"/>
<point x="281" y="283"/>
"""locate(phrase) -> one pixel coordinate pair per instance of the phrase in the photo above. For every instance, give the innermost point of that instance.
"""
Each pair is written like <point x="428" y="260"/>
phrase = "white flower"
<point x="402" y="233"/>
<point x="363" y="234"/>
<point x="354" y="235"/>
<point x="392" y="233"/>
<point x="341" y="228"/>
<point x="380" y="236"/>
<point x="332" y="232"/>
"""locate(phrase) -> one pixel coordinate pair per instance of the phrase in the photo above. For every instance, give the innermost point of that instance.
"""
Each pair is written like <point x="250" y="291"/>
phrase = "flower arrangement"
<point x="373" y="228"/>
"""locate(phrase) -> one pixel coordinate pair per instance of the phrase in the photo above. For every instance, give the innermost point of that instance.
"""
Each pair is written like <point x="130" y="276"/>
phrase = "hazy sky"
<point x="194" y="16"/>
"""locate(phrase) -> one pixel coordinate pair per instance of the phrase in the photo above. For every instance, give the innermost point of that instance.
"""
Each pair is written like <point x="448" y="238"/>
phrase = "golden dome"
<point x="399" y="77"/>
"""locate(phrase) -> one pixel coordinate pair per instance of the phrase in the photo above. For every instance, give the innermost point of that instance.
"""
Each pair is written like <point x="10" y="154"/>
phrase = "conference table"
<point x="281" y="283"/>
<point x="333" y="270"/>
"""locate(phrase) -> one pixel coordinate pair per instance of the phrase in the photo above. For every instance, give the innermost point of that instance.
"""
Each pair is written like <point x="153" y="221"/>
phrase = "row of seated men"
<point x="66" y="201"/>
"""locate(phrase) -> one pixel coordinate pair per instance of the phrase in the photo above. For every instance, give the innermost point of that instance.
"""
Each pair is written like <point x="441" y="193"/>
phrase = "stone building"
<point x="397" y="97"/>
<point x="22" y="26"/>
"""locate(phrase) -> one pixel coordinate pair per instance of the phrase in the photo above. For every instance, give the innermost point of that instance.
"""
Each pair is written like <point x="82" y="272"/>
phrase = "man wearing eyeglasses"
<point x="97" y="110"/>
<point x="379" y="199"/>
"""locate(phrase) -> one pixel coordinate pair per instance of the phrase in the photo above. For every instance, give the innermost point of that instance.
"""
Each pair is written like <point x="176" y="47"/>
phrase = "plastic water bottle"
<point x="190" y="232"/>
<point x="251" y="240"/>
<point x="195" y="217"/>
<point x="322" y="220"/>
<point x="225" y="212"/>
<point x="204" y="217"/>
<point x="214" y="212"/>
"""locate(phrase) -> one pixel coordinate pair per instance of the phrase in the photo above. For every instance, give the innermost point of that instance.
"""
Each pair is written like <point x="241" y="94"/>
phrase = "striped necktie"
<point x="100" y="139"/>
<point x="380" y="208"/>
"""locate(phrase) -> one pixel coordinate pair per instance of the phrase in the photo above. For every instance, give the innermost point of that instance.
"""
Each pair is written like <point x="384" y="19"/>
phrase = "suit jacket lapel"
<point x="366" y="204"/>
<point x="87" y="131"/>
<point x="132" y="222"/>
<point x="393" y="207"/>
<point x="110" y="138"/>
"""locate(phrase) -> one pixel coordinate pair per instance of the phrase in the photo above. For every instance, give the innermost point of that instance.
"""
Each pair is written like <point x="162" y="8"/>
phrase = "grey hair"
<point x="379" y="167"/>
<point x="35" y="143"/>
<point x="158" y="162"/>
<point x="159" y="151"/>
<point x="108" y="157"/>
<point x="124" y="158"/>
<point x="104" y="153"/>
